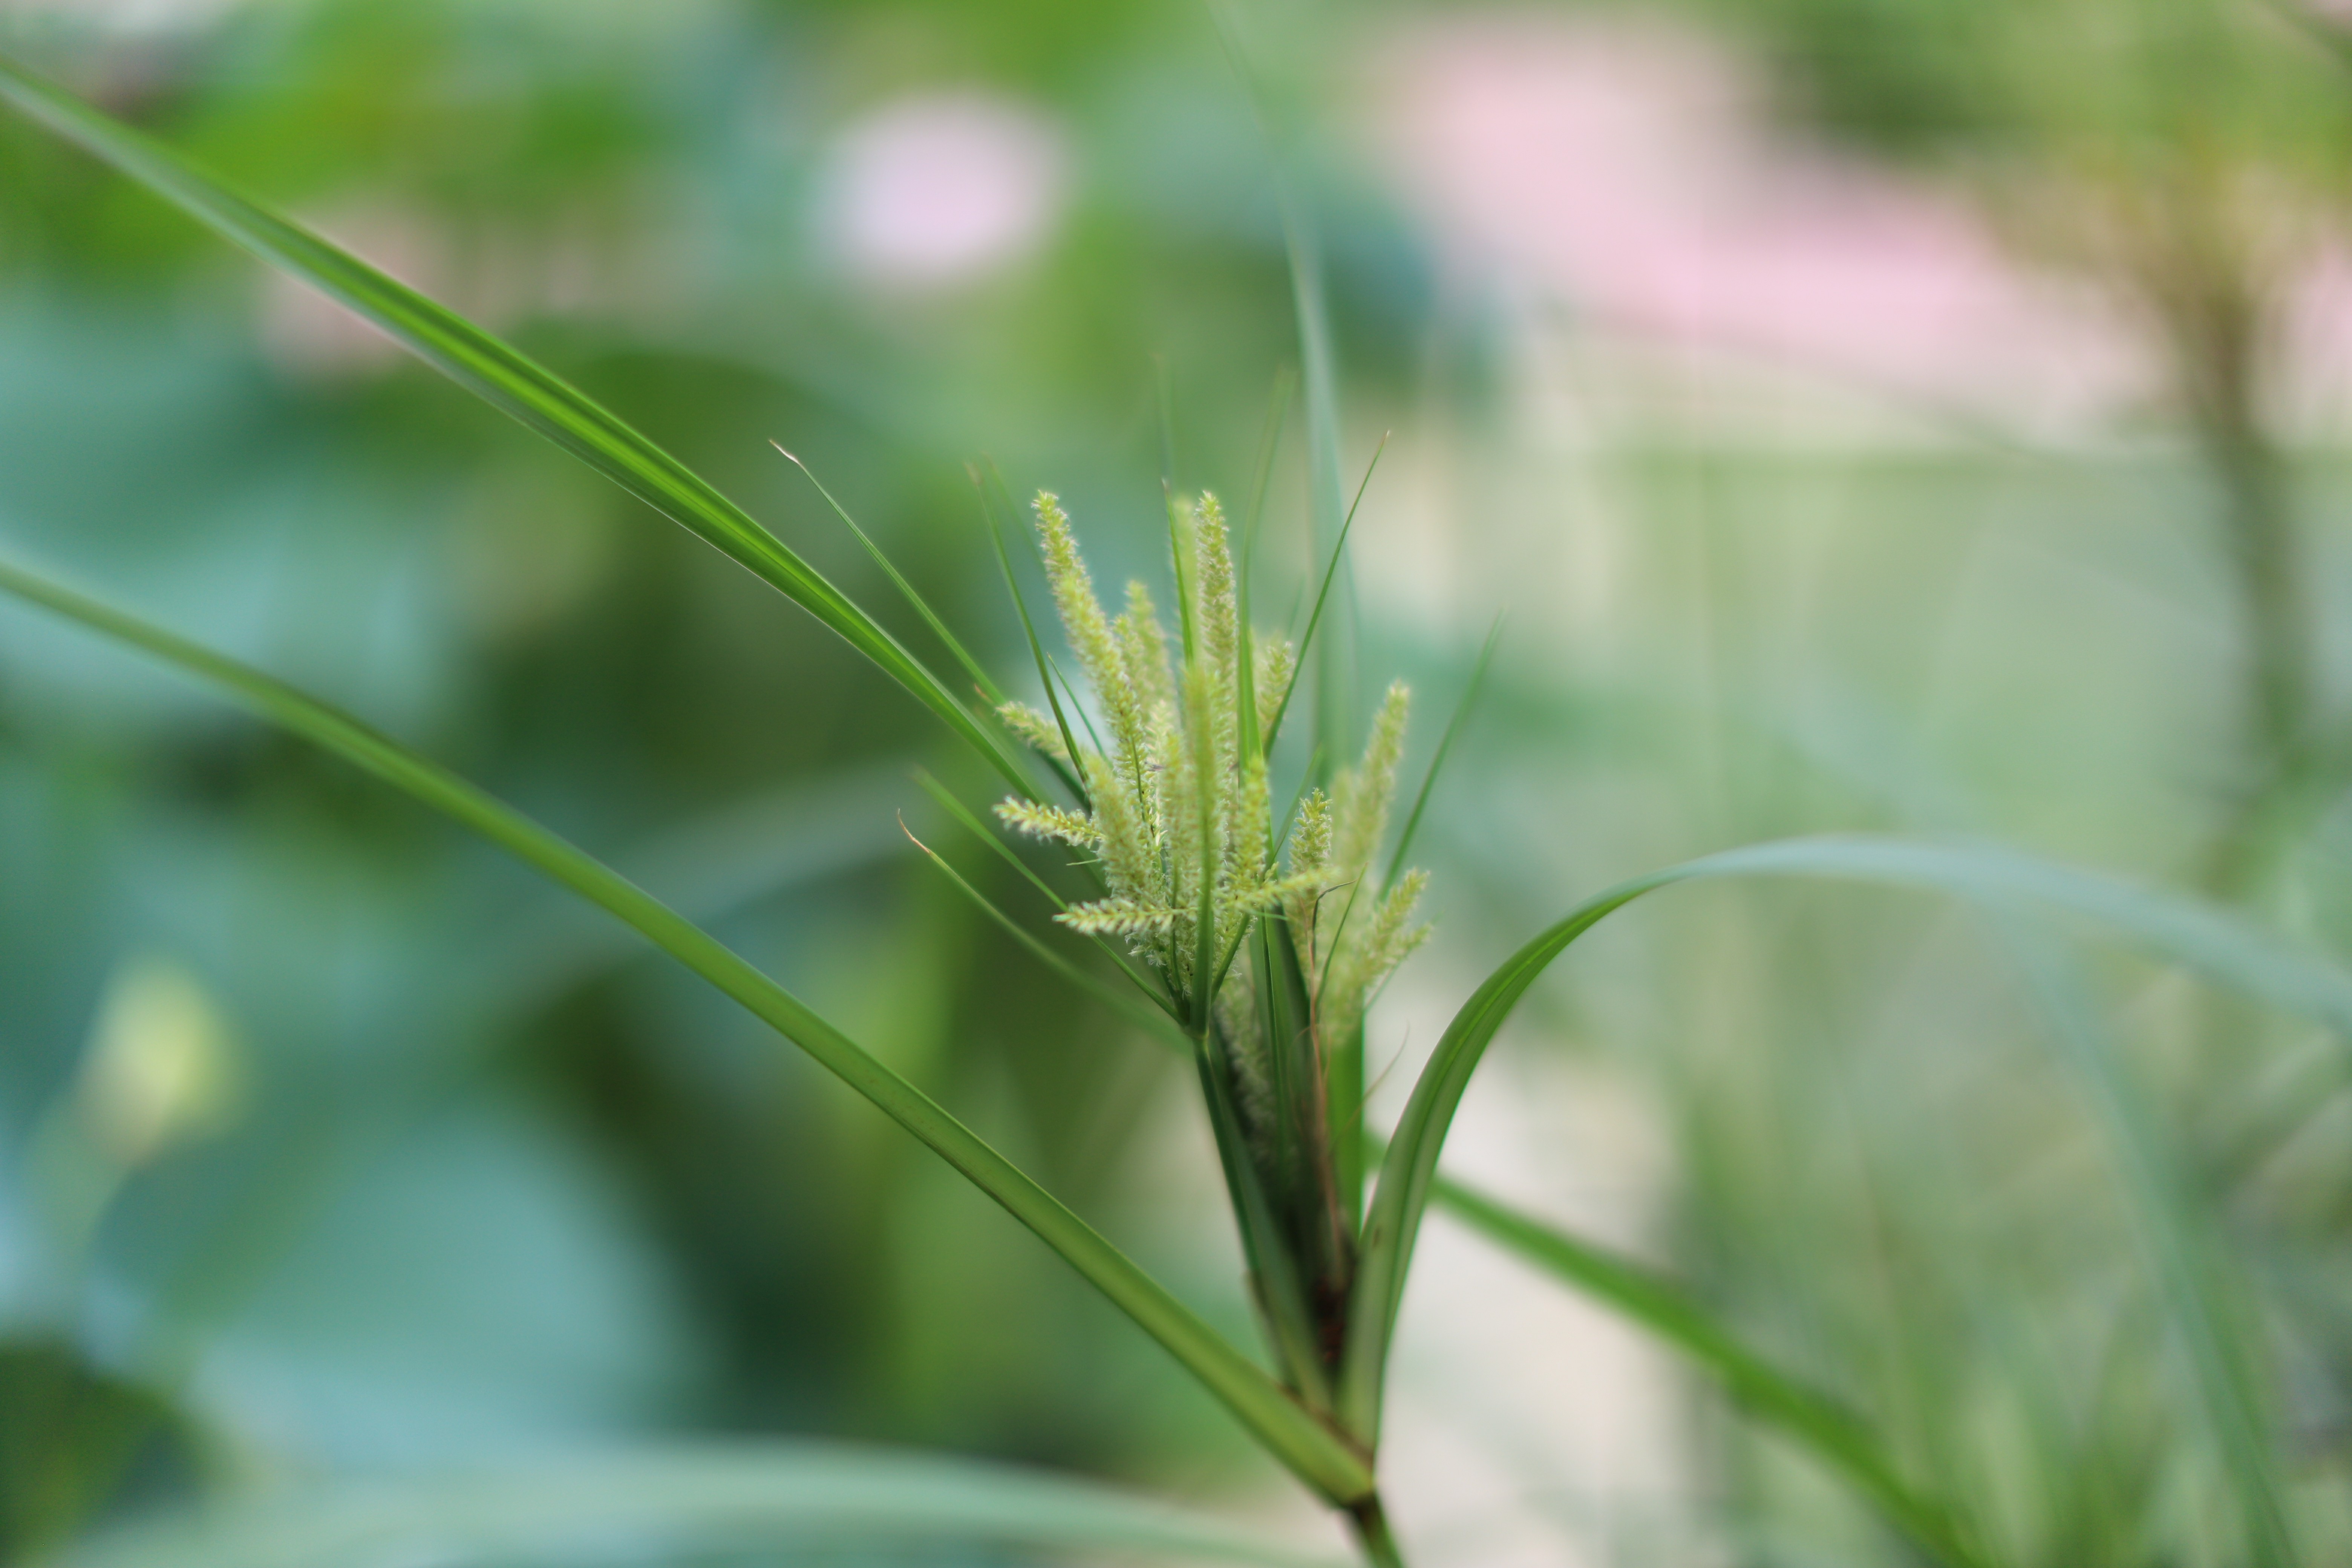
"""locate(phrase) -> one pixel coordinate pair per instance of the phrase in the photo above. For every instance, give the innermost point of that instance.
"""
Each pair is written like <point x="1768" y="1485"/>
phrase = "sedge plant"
<point x="1254" y="937"/>
<point x="1263" y="939"/>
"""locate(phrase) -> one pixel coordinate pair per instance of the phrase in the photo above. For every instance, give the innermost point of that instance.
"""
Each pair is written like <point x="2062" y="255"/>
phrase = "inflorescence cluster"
<point x="1179" y="813"/>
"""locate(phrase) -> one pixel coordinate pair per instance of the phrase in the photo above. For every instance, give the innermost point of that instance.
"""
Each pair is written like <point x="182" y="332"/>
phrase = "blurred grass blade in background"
<point x="668" y="1502"/>
<point x="2176" y="929"/>
<point x="1821" y="1423"/>
<point x="1312" y="1450"/>
<point x="2192" y="1271"/>
<point x="505" y="378"/>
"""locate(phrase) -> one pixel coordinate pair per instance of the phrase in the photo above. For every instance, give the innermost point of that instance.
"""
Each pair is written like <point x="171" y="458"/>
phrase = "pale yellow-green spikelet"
<point x="1088" y="629"/>
<point x="1172" y="773"/>
<point x="1182" y="793"/>
<point x="1392" y="935"/>
<point x="1118" y="917"/>
<point x="1274" y="661"/>
<point x="1245" y="831"/>
<point x="1310" y="840"/>
<point x="1249" y="819"/>
<point x="1311" y="851"/>
<point x="1361" y="804"/>
<point x="1074" y="594"/>
<point x="1275" y="893"/>
<point x="1200" y="741"/>
<point x="1181" y="818"/>
<point x="1130" y="859"/>
<point x="1202" y="837"/>
<point x="1363" y="961"/>
<point x="1143" y="650"/>
<point x="1037" y="728"/>
<point x="1219" y="620"/>
<point x="1041" y="821"/>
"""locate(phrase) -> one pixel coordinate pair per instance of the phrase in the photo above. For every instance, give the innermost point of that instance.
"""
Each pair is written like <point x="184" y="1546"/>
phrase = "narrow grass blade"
<point x="971" y="820"/>
<point x="2175" y="928"/>
<point x="1818" y="1422"/>
<point x="1124" y="1003"/>
<point x="1314" y="615"/>
<point x="1445" y="744"/>
<point x="1245" y="700"/>
<point x="1325" y="486"/>
<point x="979" y="829"/>
<point x="1289" y="820"/>
<point x="1312" y="1450"/>
<point x="1324" y="482"/>
<point x="501" y="377"/>
<point x="972" y="667"/>
<point x="1321" y="372"/>
<point x="1070" y="690"/>
<point x="1070" y="776"/>
<point x="684" y="1501"/>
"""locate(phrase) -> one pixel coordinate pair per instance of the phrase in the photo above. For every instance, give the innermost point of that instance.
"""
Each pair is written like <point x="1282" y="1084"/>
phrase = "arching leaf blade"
<point x="2178" y="930"/>
<point x="1320" y="1456"/>
<point x="501" y="377"/>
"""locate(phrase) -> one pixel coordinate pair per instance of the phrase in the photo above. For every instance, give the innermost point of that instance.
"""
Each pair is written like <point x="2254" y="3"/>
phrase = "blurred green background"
<point x="1909" y="415"/>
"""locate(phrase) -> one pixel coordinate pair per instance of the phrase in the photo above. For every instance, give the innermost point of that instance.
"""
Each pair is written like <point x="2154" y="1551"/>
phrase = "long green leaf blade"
<point x="683" y="1501"/>
<point x="2173" y="928"/>
<point x="1818" y="1421"/>
<point x="501" y="377"/>
<point x="1315" y="616"/>
<point x="1312" y="1450"/>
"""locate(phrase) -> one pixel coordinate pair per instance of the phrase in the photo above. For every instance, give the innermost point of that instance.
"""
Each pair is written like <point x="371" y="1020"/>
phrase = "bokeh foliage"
<point x="495" y="1181"/>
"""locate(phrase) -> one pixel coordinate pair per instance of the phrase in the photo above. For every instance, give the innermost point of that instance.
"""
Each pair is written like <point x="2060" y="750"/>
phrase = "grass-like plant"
<point x="1253" y="939"/>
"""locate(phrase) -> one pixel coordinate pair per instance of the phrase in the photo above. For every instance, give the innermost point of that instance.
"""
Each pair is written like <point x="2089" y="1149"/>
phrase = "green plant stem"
<point x="2265" y="554"/>
<point x="1334" y="1467"/>
<point x="1370" y="1525"/>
